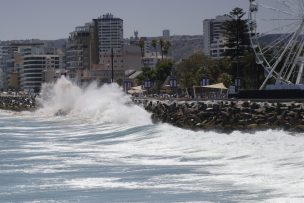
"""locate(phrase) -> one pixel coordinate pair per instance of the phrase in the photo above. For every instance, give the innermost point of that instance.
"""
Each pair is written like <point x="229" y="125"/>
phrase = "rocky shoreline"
<point x="228" y="116"/>
<point x="17" y="103"/>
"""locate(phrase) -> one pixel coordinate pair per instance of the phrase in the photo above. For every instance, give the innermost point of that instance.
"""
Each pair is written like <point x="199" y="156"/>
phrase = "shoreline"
<point x="223" y="116"/>
<point x="227" y="115"/>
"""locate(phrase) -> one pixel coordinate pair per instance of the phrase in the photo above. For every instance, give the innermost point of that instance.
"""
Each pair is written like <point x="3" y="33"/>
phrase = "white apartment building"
<point x="32" y="68"/>
<point x="214" y="40"/>
<point x="110" y="39"/>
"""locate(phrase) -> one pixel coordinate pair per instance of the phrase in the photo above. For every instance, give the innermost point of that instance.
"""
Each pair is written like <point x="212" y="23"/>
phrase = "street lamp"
<point x="112" y="63"/>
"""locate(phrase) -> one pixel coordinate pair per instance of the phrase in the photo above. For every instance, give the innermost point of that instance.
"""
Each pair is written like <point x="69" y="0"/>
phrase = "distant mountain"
<point x="183" y="46"/>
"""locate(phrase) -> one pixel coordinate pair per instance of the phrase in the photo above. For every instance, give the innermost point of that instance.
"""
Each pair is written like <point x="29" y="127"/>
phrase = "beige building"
<point x="103" y="74"/>
<point x="13" y="80"/>
<point x="52" y="75"/>
<point x="151" y="59"/>
<point x="132" y="57"/>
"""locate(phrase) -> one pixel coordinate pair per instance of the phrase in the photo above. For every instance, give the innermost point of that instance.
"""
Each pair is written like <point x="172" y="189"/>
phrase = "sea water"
<point x="93" y="145"/>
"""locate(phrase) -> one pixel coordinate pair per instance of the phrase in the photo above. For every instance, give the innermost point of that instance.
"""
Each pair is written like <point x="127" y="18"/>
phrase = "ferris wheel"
<point x="276" y="34"/>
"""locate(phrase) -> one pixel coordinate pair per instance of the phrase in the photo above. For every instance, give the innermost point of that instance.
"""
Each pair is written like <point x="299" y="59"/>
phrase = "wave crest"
<point x="107" y="103"/>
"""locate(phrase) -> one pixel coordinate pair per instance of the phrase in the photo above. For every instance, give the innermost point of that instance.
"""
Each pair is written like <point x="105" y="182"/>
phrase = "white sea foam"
<point x="107" y="103"/>
<point x="113" y="155"/>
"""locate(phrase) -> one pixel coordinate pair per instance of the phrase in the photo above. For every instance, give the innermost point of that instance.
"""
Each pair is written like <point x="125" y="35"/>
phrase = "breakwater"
<point x="227" y="116"/>
<point x="17" y="103"/>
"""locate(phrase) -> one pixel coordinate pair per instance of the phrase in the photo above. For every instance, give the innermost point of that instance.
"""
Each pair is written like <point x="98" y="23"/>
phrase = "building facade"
<point x="33" y="66"/>
<point x="166" y="34"/>
<point x="214" y="39"/>
<point x="110" y="40"/>
<point x="132" y="57"/>
<point x="81" y="50"/>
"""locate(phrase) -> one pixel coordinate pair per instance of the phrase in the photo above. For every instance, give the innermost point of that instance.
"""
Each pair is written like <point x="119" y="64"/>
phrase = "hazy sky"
<point x="53" y="19"/>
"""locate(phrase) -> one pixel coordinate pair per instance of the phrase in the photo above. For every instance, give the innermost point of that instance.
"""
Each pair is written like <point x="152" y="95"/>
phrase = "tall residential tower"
<point x="110" y="40"/>
<point x="214" y="39"/>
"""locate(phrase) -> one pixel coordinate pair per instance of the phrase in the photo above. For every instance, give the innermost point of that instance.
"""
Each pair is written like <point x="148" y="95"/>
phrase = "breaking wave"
<point x="107" y="103"/>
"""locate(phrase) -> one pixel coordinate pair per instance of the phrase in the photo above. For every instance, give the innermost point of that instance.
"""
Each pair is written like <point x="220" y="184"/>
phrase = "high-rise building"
<point x="214" y="39"/>
<point x="3" y="61"/>
<point x="166" y="34"/>
<point x="110" y="40"/>
<point x="33" y="66"/>
<point x="11" y="60"/>
<point x="81" y="50"/>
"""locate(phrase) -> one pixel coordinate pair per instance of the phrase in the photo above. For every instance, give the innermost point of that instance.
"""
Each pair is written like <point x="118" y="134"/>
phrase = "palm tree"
<point x="166" y="48"/>
<point x="142" y="48"/>
<point x="154" y="44"/>
<point x="162" y="44"/>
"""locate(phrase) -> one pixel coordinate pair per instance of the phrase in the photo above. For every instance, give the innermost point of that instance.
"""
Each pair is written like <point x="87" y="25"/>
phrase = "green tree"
<point x="253" y="74"/>
<point x="162" y="44"/>
<point x="190" y="71"/>
<point x="226" y="79"/>
<point x="142" y="46"/>
<point x="158" y="75"/>
<point x="163" y="70"/>
<point x="237" y="40"/>
<point x="236" y="33"/>
<point x="154" y="45"/>
<point x="166" y="48"/>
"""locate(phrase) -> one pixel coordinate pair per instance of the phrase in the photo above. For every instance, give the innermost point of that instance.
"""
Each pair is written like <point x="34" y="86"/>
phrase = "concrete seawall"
<point x="17" y="103"/>
<point x="227" y="116"/>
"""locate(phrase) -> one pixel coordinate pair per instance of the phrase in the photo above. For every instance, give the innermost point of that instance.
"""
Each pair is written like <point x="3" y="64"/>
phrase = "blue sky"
<point x="53" y="19"/>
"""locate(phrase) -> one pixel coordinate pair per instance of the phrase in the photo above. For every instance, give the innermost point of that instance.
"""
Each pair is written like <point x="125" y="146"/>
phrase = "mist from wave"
<point x="106" y="103"/>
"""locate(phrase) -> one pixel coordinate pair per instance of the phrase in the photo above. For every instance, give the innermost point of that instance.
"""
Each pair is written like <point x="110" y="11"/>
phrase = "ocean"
<point x="94" y="145"/>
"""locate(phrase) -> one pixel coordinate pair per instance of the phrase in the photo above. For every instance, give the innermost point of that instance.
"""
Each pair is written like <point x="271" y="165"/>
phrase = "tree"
<point x="190" y="71"/>
<point x="166" y="48"/>
<point x="154" y="45"/>
<point x="158" y="75"/>
<point x="237" y="38"/>
<point x="226" y="79"/>
<point x="142" y="46"/>
<point x="236" y="34"/>
<point x="163" y="70"/>
<point x="162" y="44"/>
<point x="252" y="73"/>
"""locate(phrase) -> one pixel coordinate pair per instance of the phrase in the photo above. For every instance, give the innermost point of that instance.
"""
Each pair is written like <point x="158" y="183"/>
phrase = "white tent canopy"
<point x="215" y="90"/>
<point x="217" y="86"/>
<point x="136" y="90"/>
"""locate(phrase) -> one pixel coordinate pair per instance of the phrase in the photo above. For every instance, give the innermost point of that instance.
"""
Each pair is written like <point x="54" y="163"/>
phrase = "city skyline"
<point x="49" y="20"/>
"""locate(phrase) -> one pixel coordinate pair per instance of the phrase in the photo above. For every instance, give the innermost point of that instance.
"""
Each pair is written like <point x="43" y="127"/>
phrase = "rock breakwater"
<point x="227" y="116"/>
<point x="17" y="103"/>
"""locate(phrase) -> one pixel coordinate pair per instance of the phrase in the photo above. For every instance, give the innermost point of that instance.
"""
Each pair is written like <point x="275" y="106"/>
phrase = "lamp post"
<point x="112" y="65"/>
